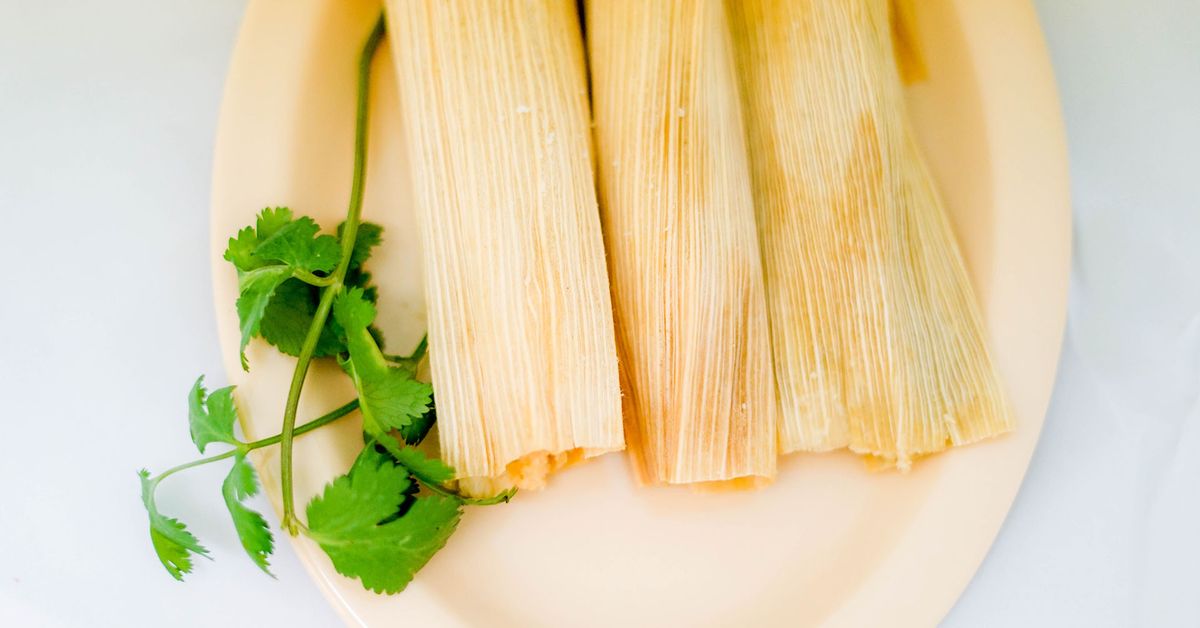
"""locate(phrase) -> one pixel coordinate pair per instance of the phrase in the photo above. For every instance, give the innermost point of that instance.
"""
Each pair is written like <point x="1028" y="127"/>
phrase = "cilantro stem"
<point x="311" y="279"/>
<point x="504" y="497"/>
<point x="195" y="463"/>
<point x="321" y="421"/>
<point x="415" y="357"/>
<point x="349" y="234"/>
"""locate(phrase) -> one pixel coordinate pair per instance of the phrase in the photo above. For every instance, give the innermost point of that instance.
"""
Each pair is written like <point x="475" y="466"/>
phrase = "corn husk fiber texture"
<point x="494" y="101"/>
<point x="683" y="253"/>
<point x="878" y="341"/>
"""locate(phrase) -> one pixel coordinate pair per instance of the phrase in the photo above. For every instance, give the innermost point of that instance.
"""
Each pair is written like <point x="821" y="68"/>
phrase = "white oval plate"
<point x="829" y="543"/>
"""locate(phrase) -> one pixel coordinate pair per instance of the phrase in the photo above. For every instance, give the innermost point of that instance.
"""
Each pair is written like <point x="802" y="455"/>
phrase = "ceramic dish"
<point x="829" y="543"/>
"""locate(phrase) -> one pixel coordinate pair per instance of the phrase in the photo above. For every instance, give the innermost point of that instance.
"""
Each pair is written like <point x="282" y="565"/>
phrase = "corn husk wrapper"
<point x="906" y="42"/>
<point x="522" y="349"/>
<point x="878" y="341"/>
<point x="683" y="253"/>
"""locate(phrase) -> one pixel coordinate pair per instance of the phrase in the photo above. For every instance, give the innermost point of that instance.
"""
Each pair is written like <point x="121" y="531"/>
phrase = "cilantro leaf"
<point x="354" y="521"/>
<point x="257" y="287"/>
<point x="415" y="432"/>
<point x="240" y="251"/>
<point x="297" y="245"/>
<point x="358" y="278"/>
<point x="427" y="470"/>
<point x="368" y="237"/>
<point x="251" y="527"/>
<point x="288" y="316"/>
<point x="389" y="397"/>
<point x="211" y="417"/>
<point x="170" y="538"/>
<point x="275" y="304"/>
<point x="290" y="313"/>
<point x="271" y="219"/>
<point x="353" y="311"/>
<point x="241" y="248"/>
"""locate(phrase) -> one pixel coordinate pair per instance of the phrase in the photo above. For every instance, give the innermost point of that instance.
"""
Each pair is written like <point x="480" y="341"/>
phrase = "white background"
<point x="107" y="115"/>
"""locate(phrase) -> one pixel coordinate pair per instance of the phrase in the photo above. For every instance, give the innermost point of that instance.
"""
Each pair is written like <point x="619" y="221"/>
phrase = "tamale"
<point x="878" y="340"/>
<point x="682" y="247"/>
<point x="522" y="352"/>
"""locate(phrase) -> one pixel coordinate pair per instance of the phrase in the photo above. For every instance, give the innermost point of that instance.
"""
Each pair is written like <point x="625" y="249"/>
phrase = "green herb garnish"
<point x="308" y="295"/>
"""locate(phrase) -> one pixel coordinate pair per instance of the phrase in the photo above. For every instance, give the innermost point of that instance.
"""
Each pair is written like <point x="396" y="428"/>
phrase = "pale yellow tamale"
<point x="683" y="255"/>
<point x="879" y="344"/>
<point x="523" y="358"/>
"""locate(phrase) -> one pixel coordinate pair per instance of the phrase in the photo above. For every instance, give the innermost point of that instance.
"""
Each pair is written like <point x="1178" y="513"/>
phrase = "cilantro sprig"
<point x="373" y="527"/>
<point x="212" y="418"/>
<point x="308" y="294"/>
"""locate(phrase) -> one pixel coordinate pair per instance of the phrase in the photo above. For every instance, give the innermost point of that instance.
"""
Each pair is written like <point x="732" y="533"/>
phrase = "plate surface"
<point x="829" y="543"/>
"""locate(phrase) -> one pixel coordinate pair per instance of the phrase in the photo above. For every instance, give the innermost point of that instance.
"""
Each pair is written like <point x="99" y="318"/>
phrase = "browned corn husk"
<point x="682" y="247"/>
<point x="879" y="344"/>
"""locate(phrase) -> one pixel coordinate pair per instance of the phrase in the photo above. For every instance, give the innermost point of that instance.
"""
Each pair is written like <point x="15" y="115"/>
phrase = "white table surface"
<point x="107" y="114"/>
